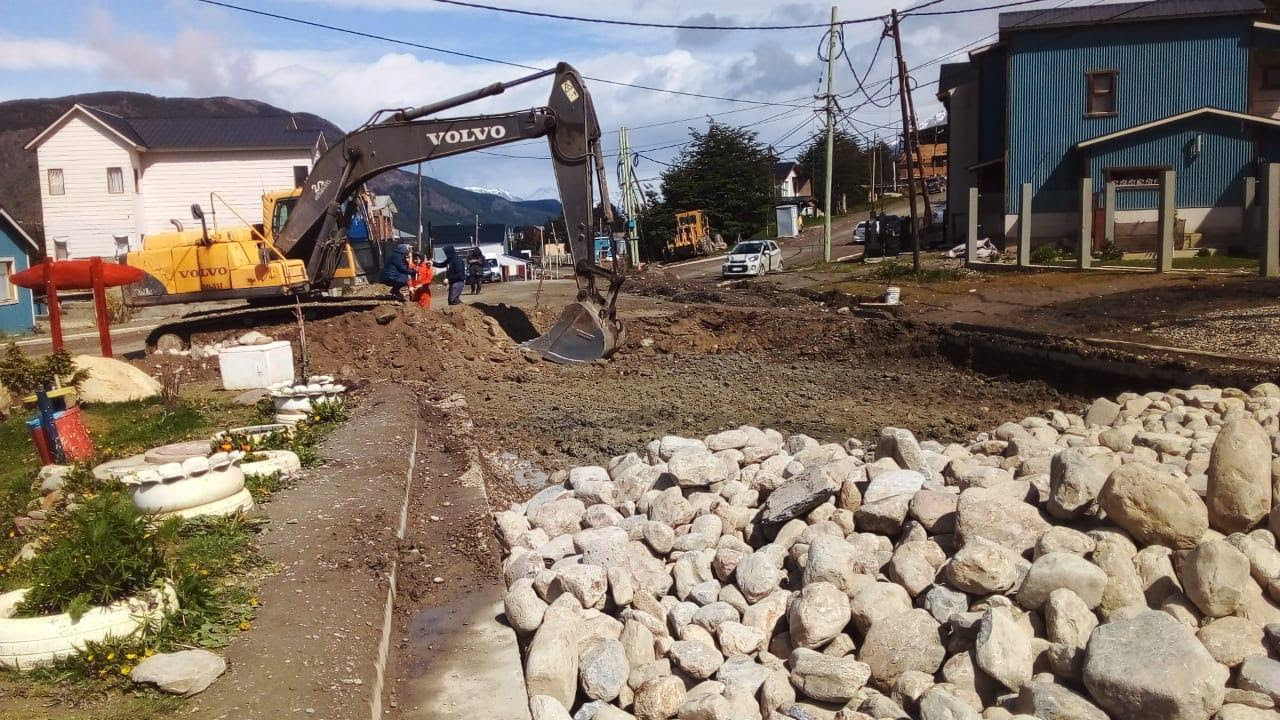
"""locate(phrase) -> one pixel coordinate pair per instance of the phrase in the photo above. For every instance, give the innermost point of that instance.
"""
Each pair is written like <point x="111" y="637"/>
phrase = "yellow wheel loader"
<point x="300" y="251"/>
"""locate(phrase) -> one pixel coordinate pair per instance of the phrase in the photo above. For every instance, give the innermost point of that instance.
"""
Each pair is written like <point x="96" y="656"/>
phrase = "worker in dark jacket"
<point x="456" y="271"/>
<point x="396" y="272"/>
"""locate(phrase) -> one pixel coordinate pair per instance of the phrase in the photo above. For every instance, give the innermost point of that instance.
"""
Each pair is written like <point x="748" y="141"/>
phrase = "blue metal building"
<point x="1120" y="92"/>
<point x="17" y="308"/>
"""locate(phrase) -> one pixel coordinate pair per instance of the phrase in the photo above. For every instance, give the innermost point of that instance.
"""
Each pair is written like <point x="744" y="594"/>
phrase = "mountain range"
<point x="21" y="120"/>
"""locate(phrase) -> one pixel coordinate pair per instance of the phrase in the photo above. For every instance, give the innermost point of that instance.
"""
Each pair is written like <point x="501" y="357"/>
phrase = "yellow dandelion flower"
<point x="149" y="652"/>
<point x="245" y="625"/>
<point x="102" y="671"/>
<point x="125" y="669"/>
<point x="253" y="601"/>
<point x="204" y="573"/>
<point x="111" y="656"/>
<point x="131" y="656"/>
<point x="90" y="658"/>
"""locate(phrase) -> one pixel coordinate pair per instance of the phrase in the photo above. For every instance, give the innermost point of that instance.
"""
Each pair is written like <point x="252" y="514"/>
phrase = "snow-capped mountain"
<point x="495" y="191"/>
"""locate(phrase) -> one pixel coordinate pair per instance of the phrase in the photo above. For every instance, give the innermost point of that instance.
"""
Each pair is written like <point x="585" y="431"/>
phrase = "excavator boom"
<point x="315" y="231"/>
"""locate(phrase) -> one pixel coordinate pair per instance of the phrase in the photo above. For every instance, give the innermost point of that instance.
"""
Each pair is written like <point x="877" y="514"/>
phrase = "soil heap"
<point x="1120" y="562"/>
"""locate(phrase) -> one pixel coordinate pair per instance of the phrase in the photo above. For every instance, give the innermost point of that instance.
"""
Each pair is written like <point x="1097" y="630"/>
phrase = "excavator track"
<point x="177" y="334"/>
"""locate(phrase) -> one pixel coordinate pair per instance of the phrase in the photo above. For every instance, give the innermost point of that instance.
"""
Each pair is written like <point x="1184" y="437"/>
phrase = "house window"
<point x="115" y="181"/>
<point x="8" y="292"/>
<point x="122" y="245"/>
<point x="299" y="175"/>
<point x="60" y="249"/>
<point x="56" y="186"/>
<point x="1100" y="91"/>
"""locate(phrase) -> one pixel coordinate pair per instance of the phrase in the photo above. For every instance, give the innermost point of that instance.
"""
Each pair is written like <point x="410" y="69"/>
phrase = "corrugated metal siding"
<point x="1165" y="68"/>
<point x="1213" y="177"/>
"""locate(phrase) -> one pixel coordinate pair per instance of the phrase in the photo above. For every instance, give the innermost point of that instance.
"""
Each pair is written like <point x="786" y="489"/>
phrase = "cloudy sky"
<point x="187" y="48"/>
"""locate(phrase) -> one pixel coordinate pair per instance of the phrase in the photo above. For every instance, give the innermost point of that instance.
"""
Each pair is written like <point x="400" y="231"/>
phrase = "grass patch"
<point x="264" y="486"/>
<point x="892" y="270"/>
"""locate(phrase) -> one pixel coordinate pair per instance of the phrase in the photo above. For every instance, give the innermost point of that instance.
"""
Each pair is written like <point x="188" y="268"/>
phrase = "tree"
<point x="852" y="165"/>
<point x="725" y="172"/>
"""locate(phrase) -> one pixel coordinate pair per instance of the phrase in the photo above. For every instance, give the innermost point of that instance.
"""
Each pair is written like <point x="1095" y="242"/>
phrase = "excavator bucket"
<point x="581" y="335"/>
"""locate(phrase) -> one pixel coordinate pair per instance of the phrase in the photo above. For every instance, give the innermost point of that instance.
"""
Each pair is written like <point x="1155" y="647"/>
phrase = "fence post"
<point x="1084" y="255"/>
<point x="1248" y="201"/>
<point x="1269" y="262"/>
<point x="1024" y="227"/>
<point x="1109" y="223"/>
<point x="1168" y="219"/>
<point x="971" y="238"/>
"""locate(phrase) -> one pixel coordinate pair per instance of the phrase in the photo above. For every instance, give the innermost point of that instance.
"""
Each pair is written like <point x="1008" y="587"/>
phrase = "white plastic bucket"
<point x="892" y="294"/>
<point x="256" y="366"/>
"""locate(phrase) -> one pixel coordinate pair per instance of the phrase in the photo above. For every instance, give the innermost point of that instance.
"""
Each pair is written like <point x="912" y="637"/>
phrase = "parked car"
<point x="860" y="233"/>
<point x="752" y="258"/>
<point x="492" y="273"/>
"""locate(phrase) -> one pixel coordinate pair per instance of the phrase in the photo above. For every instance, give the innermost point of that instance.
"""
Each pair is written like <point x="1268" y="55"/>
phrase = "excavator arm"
<point x="315" y="231"/>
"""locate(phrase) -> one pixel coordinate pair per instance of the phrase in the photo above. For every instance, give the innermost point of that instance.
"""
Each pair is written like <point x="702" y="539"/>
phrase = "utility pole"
<point x="475" y="239"/>
<point x="906" y="138"/>
<point x="871" y="186"/>
<point x="420" y="209"/>
<point x="630" y="194"/>
<point x="831" y="135"/>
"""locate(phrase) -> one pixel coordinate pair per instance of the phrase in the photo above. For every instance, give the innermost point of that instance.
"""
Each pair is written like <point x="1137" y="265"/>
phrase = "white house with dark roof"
<point x="106" y="181"/>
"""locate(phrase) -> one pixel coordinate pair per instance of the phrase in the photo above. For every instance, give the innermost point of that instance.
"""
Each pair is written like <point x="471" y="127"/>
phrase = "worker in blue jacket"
<point x="396" y="272"/>
<point x="456" y="271"/>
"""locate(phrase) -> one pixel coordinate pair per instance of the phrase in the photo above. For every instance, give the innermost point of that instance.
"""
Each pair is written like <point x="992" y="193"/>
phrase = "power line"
<point x="637" y="23"/>
<point x="917" y="13"/>
<point x="473" y="56"/>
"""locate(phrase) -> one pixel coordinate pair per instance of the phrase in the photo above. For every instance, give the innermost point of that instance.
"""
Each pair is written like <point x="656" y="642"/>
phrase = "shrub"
<point x="1110" y="253"/>
<point x="109" y="552"/>
<point x="328" y="411"/>
<point x="21" y="375"/>
<point x="1044" y="255"/>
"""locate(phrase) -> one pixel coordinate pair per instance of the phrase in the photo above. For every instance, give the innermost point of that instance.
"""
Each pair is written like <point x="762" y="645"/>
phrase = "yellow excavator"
<point x="300" y="253"/>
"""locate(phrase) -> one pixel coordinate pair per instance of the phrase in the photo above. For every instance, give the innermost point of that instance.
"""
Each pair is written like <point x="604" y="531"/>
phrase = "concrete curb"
<point x="384" y="645"/>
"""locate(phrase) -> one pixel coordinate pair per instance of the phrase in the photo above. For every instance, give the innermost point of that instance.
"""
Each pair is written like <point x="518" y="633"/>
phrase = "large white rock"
<point x="757" y="575"/>
<point x="817" y="614"/>
<point x="895" y="482"/>
<point x="1239" y="490"/>
<point x="906" y="641"/>
<point x="603" y="670"/>
<point x="1061" y="570"/>
<point x="695" y="467"/>
<point x="113" y="381"/>
<point x="1154" y="506"/>
<point x="1150" y="665"/>
<point x="1002" y="519"/>
<point x="1068" y="619"/>
<point x="542" y="707"/>
<point x="1003" y="649"/>
<point x="696" y="658"/>
<point x="184" y="673"/>
<point x="551" y="663"/>
<point x="984" y="567"/>
<point x="1213" y="576"/>
<point x="659" y="698"/>
<point x="826" y="678"/>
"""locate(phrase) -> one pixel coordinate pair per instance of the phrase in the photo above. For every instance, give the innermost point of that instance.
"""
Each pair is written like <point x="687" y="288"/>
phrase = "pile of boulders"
<point x="1121" y="563"/>
<point x="211" y="350"/>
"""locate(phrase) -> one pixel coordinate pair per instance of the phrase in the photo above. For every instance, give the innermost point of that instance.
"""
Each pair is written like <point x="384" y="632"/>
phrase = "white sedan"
<point x="752" y="258"/>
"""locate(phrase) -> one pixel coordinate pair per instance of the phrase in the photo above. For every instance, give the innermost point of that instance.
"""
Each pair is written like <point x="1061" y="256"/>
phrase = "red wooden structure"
<point x="92" y="274"/>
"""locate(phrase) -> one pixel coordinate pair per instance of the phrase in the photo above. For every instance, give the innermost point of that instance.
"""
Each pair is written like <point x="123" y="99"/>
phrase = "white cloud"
<point x="20" y="53"/>
<point x="211" y="51"/>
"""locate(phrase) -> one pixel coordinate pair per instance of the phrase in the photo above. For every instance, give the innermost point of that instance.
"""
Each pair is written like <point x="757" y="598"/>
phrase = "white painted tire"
<point x="241" y="502"/>
<point x="290" y="418"/>
<point x="187" y="492"/>
<point x="255" y="433"/>
<point x="292" y="403"/>
<point x="116" y="469"/>
<point x="284" y="462"/>
<point x="28" y="642"/>
<point x="176" y="452"/>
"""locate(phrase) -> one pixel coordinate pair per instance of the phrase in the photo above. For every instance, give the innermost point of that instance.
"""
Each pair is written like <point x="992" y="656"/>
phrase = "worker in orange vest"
<point x="420" y="283"/>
